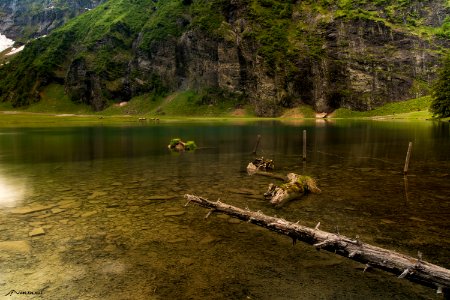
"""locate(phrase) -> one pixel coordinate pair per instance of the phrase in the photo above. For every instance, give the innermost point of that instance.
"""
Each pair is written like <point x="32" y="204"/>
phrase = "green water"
<point x="115" y="225"/>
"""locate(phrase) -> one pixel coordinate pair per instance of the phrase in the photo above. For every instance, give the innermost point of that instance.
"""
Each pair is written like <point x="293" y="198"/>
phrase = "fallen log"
<point x="295" y="187"/>
<point x="404" y="266"/>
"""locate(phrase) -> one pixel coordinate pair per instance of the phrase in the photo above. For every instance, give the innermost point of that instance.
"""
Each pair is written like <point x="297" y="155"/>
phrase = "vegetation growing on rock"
<point x="297" y="186"/>
<point x="177" y="144"/>
<point x="268" y="54"/>
<point x="25" y="19"/>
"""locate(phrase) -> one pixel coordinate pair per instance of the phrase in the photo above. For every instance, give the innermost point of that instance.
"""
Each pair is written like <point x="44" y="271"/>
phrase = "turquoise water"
<point x="98" y="212"/>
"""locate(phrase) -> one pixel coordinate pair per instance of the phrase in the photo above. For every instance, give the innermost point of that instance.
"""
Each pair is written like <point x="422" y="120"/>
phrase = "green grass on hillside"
<point x="191" y="104"/>
<point x="414" y="108"/>
<point x="188" y="103"/>
<point x="53" y="101"/>
<point x="27" y="119"/>
<point x="302" y="111"/>
<point x="140" y="105"/>
<point x="181" y="104"/>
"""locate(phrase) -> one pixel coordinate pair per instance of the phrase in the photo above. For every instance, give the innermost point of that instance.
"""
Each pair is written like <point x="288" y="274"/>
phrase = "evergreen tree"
<point x="440" y="106"/>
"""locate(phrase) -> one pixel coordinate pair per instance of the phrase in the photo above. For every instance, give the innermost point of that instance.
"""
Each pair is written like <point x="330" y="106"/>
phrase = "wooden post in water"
<point x="408" y="155"/>
<point x="258" y="139"/>
<point x="304" y="145"/>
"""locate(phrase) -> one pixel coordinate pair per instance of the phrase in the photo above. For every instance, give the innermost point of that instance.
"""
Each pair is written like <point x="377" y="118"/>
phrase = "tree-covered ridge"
<point x="102" y="37"/>
<point x="116" y="51"/>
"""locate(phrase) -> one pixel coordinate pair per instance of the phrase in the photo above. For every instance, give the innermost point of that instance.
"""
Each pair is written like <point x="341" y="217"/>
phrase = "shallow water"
<point x="110" y="203"/>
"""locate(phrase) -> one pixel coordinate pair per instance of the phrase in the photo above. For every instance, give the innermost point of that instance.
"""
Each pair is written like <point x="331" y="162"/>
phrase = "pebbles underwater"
<point x="116" y="226"/>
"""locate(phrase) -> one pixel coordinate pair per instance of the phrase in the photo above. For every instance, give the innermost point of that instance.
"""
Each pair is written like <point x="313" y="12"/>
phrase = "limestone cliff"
<point x="274" y="54"/>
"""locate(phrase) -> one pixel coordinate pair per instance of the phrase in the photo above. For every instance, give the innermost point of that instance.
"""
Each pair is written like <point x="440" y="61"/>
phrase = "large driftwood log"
<point x="295" y="187"/>
<point x="413" y="269"/>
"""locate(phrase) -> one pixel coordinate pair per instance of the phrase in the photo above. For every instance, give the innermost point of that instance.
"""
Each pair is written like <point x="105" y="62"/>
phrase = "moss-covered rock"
<point x="177" y="144"/>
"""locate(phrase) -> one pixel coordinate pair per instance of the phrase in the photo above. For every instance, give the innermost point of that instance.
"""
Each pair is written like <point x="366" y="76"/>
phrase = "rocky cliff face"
<point x="23" y="19"/>
<point x="362" y="64"/>
<point x="370" y="64"/>
<point x="273" y="57"/>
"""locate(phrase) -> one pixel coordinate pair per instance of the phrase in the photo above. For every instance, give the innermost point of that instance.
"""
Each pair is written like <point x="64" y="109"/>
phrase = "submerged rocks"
<point x="89" y="214"/>
<point x="57" y="210"/>
<point x="23" y="247"/>
<point x="37" y="232"/>
<point x="160" y="197"/>
<point x="96" y="194"/>
<point x="174" y="213"/>
<point x="30" y="209"/>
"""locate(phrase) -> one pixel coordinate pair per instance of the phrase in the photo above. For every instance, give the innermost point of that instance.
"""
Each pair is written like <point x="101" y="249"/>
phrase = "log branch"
<point x="413" y="269"/>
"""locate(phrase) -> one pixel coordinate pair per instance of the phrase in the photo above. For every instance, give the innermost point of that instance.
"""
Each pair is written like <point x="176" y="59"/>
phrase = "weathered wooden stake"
<point x="408" y="155"/>
<point x="304" y="145"/>
<point x="258" y="139"/>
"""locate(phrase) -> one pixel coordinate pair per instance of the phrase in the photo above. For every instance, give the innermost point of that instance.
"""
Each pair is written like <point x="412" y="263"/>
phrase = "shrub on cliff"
<point x="440" y="107"/>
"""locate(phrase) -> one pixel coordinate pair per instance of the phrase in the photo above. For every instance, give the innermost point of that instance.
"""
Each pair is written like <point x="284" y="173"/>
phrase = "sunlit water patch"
<point x="12" y="191"/>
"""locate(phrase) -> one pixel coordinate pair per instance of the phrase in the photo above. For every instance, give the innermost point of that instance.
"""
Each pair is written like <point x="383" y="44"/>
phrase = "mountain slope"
<point x="24" y="19"/>
<point x="269" y="53"/>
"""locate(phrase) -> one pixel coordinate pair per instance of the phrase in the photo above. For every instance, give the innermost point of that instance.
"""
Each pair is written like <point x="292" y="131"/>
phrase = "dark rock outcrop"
<point x="84" y="86"/>
<point x="24" y="19"/>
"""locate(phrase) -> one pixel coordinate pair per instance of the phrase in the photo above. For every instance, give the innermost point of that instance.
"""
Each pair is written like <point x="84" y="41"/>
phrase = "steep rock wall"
<point x="364" y="65"/>
<point x="380" y="64"/>
<point x="23" y="19"/>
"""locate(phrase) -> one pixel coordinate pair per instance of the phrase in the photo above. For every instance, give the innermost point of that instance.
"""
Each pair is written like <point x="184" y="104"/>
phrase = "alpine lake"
<point x="97" y="212"/>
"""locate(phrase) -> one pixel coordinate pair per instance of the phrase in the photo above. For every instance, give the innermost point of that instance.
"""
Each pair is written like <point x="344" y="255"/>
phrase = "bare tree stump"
<point x="260" y="164"/>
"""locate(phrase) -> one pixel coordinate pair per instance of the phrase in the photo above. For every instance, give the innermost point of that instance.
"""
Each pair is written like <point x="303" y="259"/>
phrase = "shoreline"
<point x="10" y="118"/>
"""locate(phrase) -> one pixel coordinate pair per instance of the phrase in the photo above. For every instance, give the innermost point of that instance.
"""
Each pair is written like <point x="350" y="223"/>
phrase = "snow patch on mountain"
<point x="5" y="43"/>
